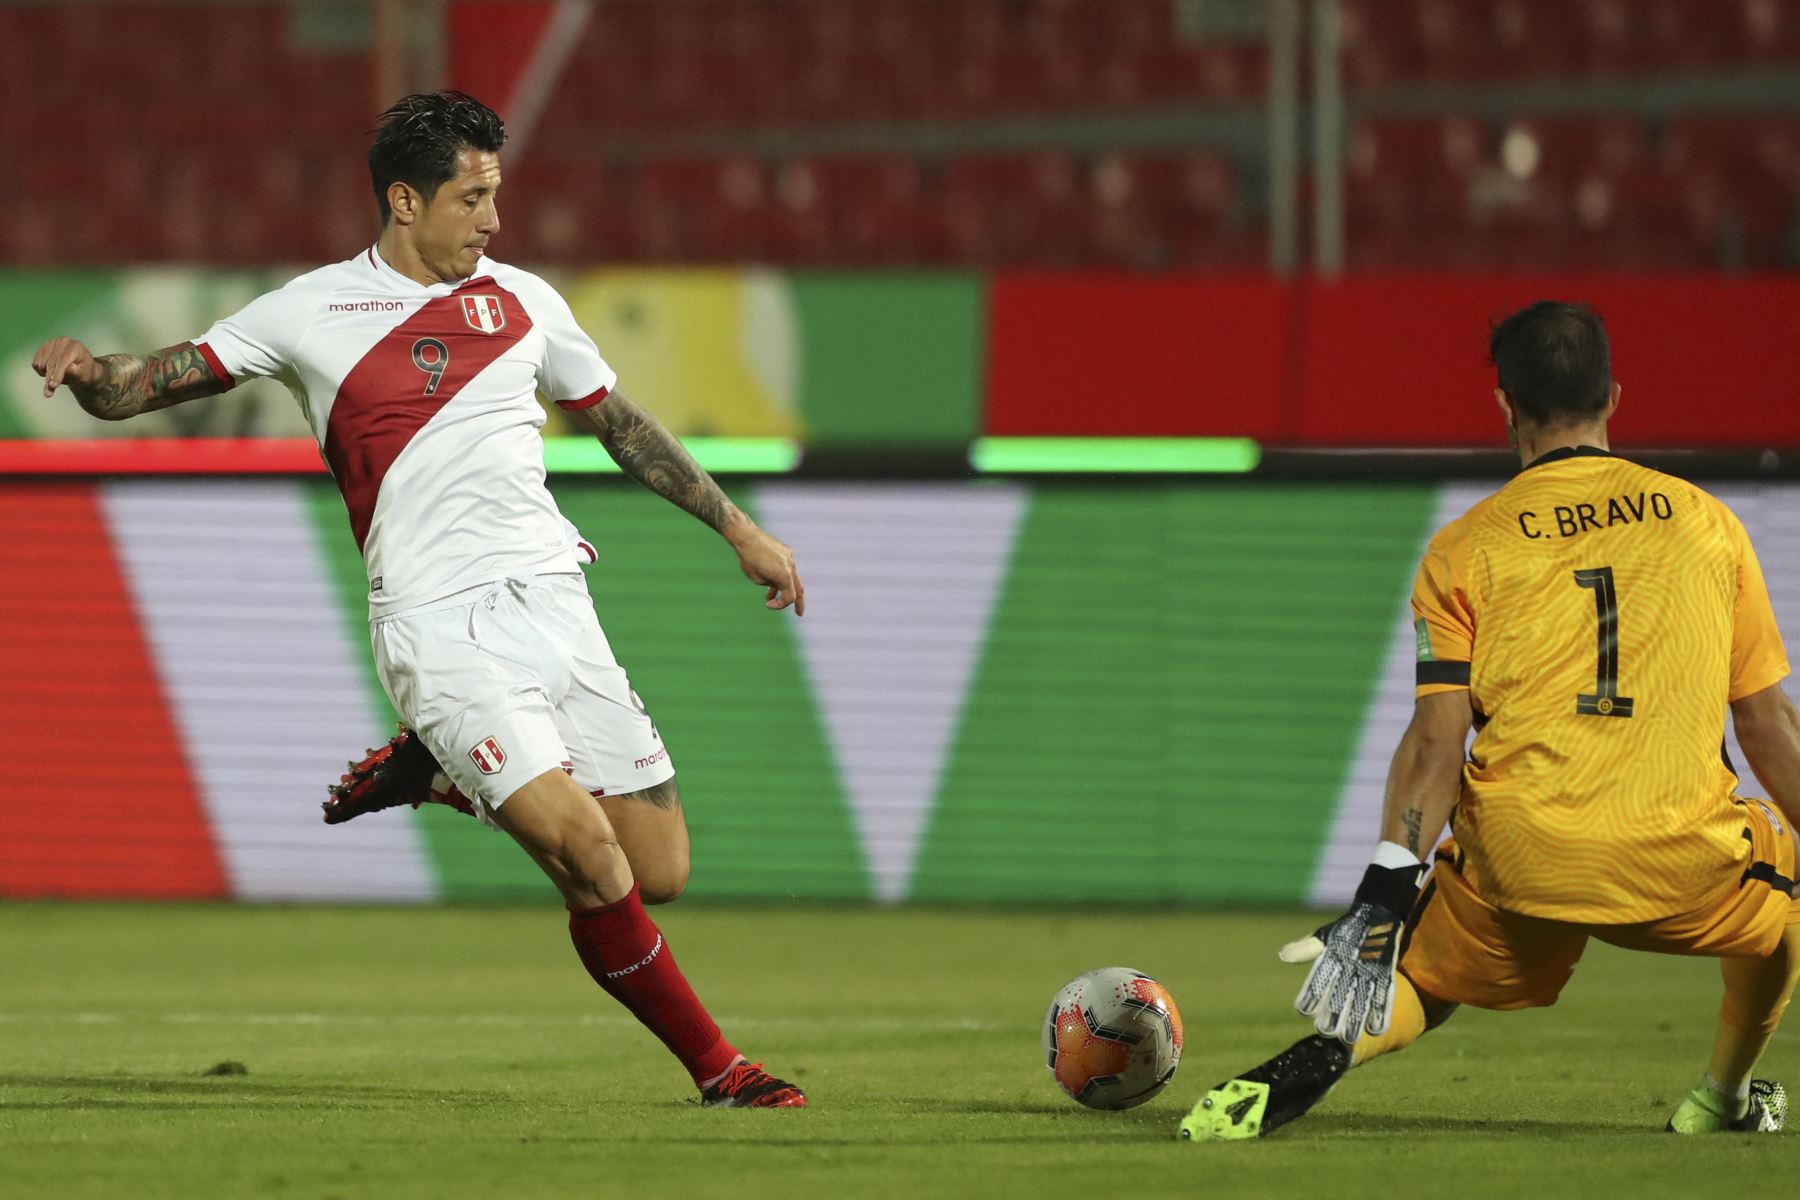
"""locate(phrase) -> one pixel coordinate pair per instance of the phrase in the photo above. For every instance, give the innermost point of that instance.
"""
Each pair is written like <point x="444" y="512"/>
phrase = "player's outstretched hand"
<point x="64" y="360"/>
<point x="1350" y="989"/>
<point x="768" y="561"/>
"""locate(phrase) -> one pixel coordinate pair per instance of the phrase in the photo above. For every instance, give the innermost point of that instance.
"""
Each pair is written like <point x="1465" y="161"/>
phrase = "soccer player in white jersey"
<point x="418" y="362"/>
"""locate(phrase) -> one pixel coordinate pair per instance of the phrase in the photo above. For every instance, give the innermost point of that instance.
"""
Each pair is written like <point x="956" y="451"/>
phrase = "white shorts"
<point x="512" y="679"/>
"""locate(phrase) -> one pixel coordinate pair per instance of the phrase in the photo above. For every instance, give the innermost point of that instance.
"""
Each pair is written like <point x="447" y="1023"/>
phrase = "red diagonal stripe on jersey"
<point x="382" y="402"/>
<point x="101" y="800"/>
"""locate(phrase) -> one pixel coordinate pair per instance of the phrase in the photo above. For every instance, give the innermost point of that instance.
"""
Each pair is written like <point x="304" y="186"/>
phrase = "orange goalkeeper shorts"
<point x="1462" y="949"/>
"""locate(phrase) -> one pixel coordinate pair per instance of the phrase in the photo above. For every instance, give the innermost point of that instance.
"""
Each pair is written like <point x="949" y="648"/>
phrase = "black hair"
<point x="418" y="139"/>
<point x="1553" y="362"/>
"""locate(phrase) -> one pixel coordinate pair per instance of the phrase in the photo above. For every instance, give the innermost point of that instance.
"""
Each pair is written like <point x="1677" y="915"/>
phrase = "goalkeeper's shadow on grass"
<point x="176" y="1093"/>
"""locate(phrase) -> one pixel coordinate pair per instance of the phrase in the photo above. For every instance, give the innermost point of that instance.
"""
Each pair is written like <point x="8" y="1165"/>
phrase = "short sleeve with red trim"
<point x="1443" y="621"/>
<point x="261" y="339"/>
<point x="1758" y="657"/>
<point x="573" y="375"/>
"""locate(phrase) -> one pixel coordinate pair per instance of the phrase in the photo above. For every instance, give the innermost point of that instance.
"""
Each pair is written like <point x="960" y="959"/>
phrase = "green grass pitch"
<point x="453" y="1052"/>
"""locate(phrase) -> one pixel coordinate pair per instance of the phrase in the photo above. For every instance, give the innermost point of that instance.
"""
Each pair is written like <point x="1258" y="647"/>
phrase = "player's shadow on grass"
<point x="934" y="1106"/>
<point x="74" y="1093"/>
<point x="1063" y="1110"/>
<point x="1061" y="1122"/>
<point x="1387" y="1125"/>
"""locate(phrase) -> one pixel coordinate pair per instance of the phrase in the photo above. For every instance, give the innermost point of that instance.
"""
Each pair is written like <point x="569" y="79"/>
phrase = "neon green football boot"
<point x="1705" y="1111"/>
<point x="1264" y="1098"/>
<point x="1233" y="1110"/>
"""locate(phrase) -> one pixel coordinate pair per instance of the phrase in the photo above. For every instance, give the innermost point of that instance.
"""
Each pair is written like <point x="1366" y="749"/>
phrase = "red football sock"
<point x="625" y="953"/>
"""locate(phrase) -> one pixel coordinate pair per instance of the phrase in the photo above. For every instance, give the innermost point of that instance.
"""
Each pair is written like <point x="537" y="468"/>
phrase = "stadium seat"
<point x="1404" y="172"/>
<point x="1397" y="41"/>
<point x="845" y="180"/>
<point x="1571" y="146"/>
<point x="1751" y="152"/>
<point x="826" y="76"/>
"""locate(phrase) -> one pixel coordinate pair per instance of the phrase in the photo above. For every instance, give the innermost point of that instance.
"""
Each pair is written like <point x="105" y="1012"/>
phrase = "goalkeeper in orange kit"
<point x="1591" y="621"/>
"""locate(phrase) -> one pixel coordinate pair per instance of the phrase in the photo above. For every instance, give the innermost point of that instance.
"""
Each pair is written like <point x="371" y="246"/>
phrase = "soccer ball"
<point x="1112" y="1038"/>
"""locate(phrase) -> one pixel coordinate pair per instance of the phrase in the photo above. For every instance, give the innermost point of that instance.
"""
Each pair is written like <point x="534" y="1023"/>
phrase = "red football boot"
<point x="747" y="1085"/>
<point x="401" y="772"/>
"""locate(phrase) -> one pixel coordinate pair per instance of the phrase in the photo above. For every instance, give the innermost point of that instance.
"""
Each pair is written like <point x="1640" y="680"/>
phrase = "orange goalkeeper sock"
<point x="1404" y="1026"/>
<point x="1757" y="991"/>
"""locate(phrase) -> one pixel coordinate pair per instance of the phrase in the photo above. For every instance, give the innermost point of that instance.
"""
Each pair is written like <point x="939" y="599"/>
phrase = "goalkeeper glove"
<point x="1350" y="988"/>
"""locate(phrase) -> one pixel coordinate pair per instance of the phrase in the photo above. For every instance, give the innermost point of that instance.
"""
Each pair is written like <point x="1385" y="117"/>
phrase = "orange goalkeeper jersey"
<point x="1601" y="615"/>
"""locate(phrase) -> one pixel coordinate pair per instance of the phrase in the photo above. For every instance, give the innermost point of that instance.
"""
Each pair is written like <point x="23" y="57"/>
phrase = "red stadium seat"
<point x="849" y="180"/>
<point x="1770" y="31"/>
<point x="680" y="180"/>
<point x="1014" y="178"/>
<point x="1571" y="146"/>
<point x="1407" y="173"/>
<point x="827" y="75"/>
<point x="1753" y="153"/>
<point x="1685" y="34"/>
<point x="1449" y="37"/>
<point x="1396" y="41"/>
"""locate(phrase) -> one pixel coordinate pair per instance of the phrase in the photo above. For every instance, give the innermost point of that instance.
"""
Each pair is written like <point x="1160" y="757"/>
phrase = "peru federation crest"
<point x="483" y="313"/>
<point x="488" y="757"/>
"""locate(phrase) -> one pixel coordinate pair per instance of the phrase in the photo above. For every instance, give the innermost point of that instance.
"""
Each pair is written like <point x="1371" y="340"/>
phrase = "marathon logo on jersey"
<point x="363" y="306"/>
<point x="488" y="757"/>
<point x="484" y="313"/>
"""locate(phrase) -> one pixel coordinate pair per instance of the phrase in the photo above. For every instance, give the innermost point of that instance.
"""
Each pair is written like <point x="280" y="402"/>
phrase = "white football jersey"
<point x="423" y="399"/>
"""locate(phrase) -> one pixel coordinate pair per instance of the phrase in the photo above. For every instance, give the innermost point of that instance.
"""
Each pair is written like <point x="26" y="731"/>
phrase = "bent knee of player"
<point x="655" y="837"/>
<point x="590" y="855"/>
<point x="661" y="869"/>
<point x="663" y="881"/>
<point x="572" y="840"/>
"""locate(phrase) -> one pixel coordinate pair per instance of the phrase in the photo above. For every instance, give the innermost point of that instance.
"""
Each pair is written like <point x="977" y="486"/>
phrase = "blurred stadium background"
<point x="908" y="272"/>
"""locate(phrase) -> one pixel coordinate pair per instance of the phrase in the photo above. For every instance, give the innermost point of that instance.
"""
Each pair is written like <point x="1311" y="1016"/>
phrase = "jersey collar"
<point x="1562" y="452"/>
<point x="372" y="256"/>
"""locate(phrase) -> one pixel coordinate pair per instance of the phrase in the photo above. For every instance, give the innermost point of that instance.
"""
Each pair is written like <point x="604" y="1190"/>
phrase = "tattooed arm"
<point x="654" y="457"/>
<point x="651" y="455"/>
<point x="1425" y="779"/>
<point x="116" y="386"/>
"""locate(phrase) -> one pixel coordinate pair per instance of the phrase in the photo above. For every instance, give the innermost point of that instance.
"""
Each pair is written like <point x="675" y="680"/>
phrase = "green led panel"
<point x="761" y="456"/>
<point x="1116" y="455"/>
